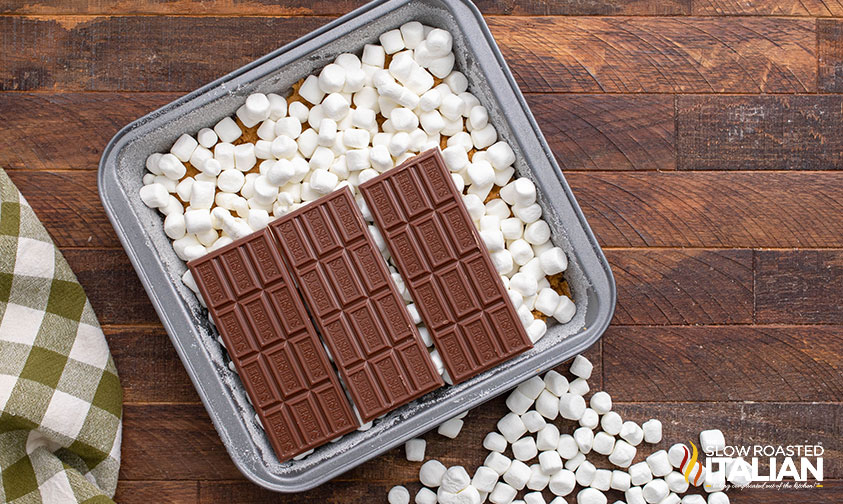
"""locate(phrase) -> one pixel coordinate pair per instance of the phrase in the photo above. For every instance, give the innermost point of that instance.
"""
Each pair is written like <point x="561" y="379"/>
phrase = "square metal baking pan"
<point x="195" y="339"/>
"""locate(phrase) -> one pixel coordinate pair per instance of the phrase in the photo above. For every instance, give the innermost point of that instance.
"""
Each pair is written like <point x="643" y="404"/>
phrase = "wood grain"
<point x="794" y="363"/>
<point x="631" y="55"/>
<point x="608" y="132"/>
<point x="144" y="492"/>
<point x="303" y="8"/>
<point x="150" y="369"/>
<point x="547" y="54"/>
<point x="586" y="132"/>
<point x="799" y="286"/>
<point x="68" y="205"/>
<point x="682" y="287"/>
<point x="712" y="209"/>
<point x="759" y="132"/>
<point x="812" y="8"/>
<point x="830" y="55"/>
<point x="112" y="286"/>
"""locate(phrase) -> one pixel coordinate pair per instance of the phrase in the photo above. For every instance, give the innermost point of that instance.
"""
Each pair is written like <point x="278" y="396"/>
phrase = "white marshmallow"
<point x="152" y="163"/>
<point x="553" y="261"/>
<point x="257" y="106"/>
<point x="481" y="173"/>
<point x="442" y="66"/>
<point x="335" y="106"/>
<point x="547" y="405"/>
<point x="582" y="367"/>
<point x="534" y="498"/>
<point x="524" y="449"/>
<point x="718" y="498"/>
<point x="171" y="167"/>
<point x="547" y="301"/>
<point x="521" y="251"/>
<point x="173" y="206"/>
<point x="439" y="42"/>
<point x="603" y="443"/>
<point x="414" y="449"/>
<point x="298" y="111"/>
<point x="550" y="462"/>
<point x="694" y="499"/>
<point x="277" y="106"/>
<point x="518" y="403"/>
<point x="635" y="495"/>
<point x="431" y="473"/>
<point x="450" y="428"/>
<point x="522" y="283"/>
<point x="565" y="311"/>
<point x="584" y="437"/>
<point x="611" y="423"/>
<point x="531" y="387"/>
<point x="412" y="34"/>
<point x="640" y="473"/>
<point x="500" y="155"/>
<point x="632" y="433"/>
<point x="591" y="496"/>
<point x="174" y="226"/>
<point x="562" y="482"/>
<point x="536" y="330"/>
<point x="403" y="119"/>
<point x="484" y="137"/>
<point x="573" y="463"/>
<point x="655" y="491"/>
<point x="231" y="180"/>
<point x="327" y="132"/>
<point x="578" y="386"/>
<point x="455" y="479"/>
<point x="502" y="177"/>
<point x="289" y="127"/>
<point x="202" y="194"/>
<point x="263" y="150"/>
<point x="529" y="213"/>
<point x="712" y="441"/>
<point x="227" y="130"/>
<point x="622" y="454"/>
<point x="537" y="232"/>
<point x="494" y="442"/>
<point x="484" y="479"/>
<point x="547" y="438"/>
<point x="457" y="82"/>
<point x="184" y="188"/>
<point x="497" y="462"/>
<point x="555" y="383"/>
<point x="391" y="41"/>
<point x="511" y="427"/>
<point x="571" y="406"/>
<point x="183" y="147"/>
<point x="374" y="55"/>
<point x="585" y="473"/>
<point x="652" y="431"/>
<point x="602" y="480"/>
<point x="589" y="419"/>
<point x="601" y="402"/>
<point x="244" y="157"/>
<point x="430" y="100"/>
<point x="676" y="482"/>
<point x="280" y="172"/>
<point x="312" y="91"/>
<point x="478" y="117"/>
<point x="620" y="481"/>
<point x="198" y="220"/>
<point x="502" y="494"/>
<point x="323" y="181"/>
<point x="475" y="206"/>
<point x="398" y="495"/>
<point x="451" y="107"/>
<point x="538" y="479"/>
<point x="517" y="475"/>
<point x="307" y="142"/>
<point x="331" y="79"/>
<point x="154" y="195"/>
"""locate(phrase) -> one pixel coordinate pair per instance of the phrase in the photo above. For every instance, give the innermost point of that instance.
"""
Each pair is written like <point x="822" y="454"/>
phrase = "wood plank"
<point x="608" y="132"/>
<point x="177" y="442"/>
<point x="150" y="370"/>
<point x="40" y="128"/>
<point x="712" y="209"/>
<point x="812" y="8"/>
<point x="798" y="286"/>
<point x="759" y="132"/>
<point x="830" y="55"/>
<point x="144" y="492"/>
<point x="586" y="132"/>
<point x="68" y="205"/>
<point x="112" y="286"/>
<point x="682" y="287"/>
<point x="725" y="363"/>
<point x="671" y="55"/>
<point x="547" y="54"/>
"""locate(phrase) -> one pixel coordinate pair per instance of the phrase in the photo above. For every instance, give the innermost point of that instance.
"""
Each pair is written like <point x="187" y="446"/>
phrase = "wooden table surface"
<point x="702" y="138"/>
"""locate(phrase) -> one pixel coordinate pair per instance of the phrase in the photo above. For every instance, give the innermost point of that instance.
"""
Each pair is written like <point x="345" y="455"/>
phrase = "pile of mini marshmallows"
<point x="356" y="119"/>
<point x="544" y="458"/>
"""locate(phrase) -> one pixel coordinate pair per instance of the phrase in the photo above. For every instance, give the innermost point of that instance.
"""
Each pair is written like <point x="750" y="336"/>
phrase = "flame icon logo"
<point x="690" y="466"/>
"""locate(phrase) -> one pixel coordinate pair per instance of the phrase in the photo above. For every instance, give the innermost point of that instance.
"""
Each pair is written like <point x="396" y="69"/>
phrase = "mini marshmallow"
<point x="431" y="473"/>
<point x="547" y="301"/>
<point x="502" y="260"/>
<point x="632" y="433"/>
<point x="589" y="419"/>
<point x="533" y="421"/>
<point x="694" y="499"/>
<point x="521" y="252"/>
<point x="571" y="406"/>
<point x="522" y="283"/>
<point x="502" y="177"/>
<point x="652" y="431"/>
<point x="501" y="155"/>
<point x="171" y="167"/>
<point x="602" y="480"/>
<point x="534" y="498"/>
<point x="199" y="156"/>
<point x="184" y="147"/>
<point x="603" y="444"/>
<point x="547" y="438"/>
<point x="258" y="218"/>
<point x="398" y="495"/>
<point x="197" y="221"/>
<point x="640" y="473"/>
<point x="524" y="449"/>
<point x="547" y="405"/>
<point x="314" y="117"/>
<point x="553" y="261"/>
<point x="173" y="206"/>
<point x="399" y="143"/>
<point x="311" y="90"/>
<point x="380" y="158"/>
<point x="718" y="498"/>
<point x="676" y="482"/>
<point x="331" y="79"/>
<point x="412" y="34"/>
<point x="451" y="107"/>
<point x="601" y="402"/>
<point x="450" y="428"/>
<point x="327" y="132"/>
<point x="611" y="423"/>
<point x="323" y="181"/>
<point x="481" y="173"/>
<point x="439" y="42"/>
<point x="655" y="491"/>
<point x="335" y="106"/>
<point x="659" y="463"/>
<point x="590" y="496"/>
<point x="298" y="111"/>
<point x="551" y="461"/>
<point x="562" y="482"/>
<point x="154" y="195"/>
<point x="712" y="441"/>
<point x="502" y="494"/>
<point x="289" y="127"/>
<point x="184" y="188"/>
<point x="441" y="67"/>
<point x="517" y="475"/>
<point x="565" y="311"/>
<point x="280" y="172"/>
<point x="403" y="119"/>
<point x="257" y="105"/>
<point x="174" y="226"/>
<point x="484" y="137"/>
<point x="307" y="142"/>
<point x="582" y="367"/>
<point x="511" y="427"/>
<point x="277" y="106"/>
<point x="537" y="232"/>
<point x="528" y="214"/>
<point x="494" y="442"/>
<point x="497" y="462"/>
<point x="231" y="180"/>
<point x="455" y="158"/>
<point x="635" y="495"/>
<point x="455" y="479"/>
<point x="584" y="437"/>
<point x="676" y="454"/>
<point x="457" y="82"/>
<point x="585" y="473"/>
<point x="555" y="383"/>
<point x="414" y="449"/>
<point x="244" y="157"/>
<point x="202" y="194"/>
<point x="484" y="479"/>
<point x="620" y="481"/>
<point x="622" y="454"/>
<point x="573" y="463"/>
<point x="578" y="386"/>
<point x="715" y="481"/>
<point x="391" y="41"/>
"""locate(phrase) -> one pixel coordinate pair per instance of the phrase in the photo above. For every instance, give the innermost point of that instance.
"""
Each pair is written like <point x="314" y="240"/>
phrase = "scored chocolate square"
<point x="355" y="304"/>
<point x="267" y="332"/>
<point x="445" y="265"/>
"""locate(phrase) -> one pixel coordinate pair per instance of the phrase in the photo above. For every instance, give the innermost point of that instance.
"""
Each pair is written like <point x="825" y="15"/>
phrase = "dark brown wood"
<point x="150" y="369"/>
<point x="608" y="132"/>
<point x="830" y="55"/>
<point x="724" y="363"/>
<point x="712" y="209"/>
<point x="799" y="286"/>
<point x="304" y="8"/>
<point x="682" y="287"/>
<point x="102" y="272"/>
<point x="547" y="54"/>
<point x="68" y="204"/>
<point x="813" y="8"/>
<point x="759" y="132"/>
<point x="631" y="55"/>
<point x="144" y="492"/>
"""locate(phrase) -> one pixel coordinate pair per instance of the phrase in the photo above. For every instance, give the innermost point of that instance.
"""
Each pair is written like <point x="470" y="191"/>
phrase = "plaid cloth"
<point x="60" y="399"/>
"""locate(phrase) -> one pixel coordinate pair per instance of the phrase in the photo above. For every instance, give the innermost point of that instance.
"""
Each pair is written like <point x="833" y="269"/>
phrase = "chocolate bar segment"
<point x="445" y="266"/>
<point x="355" y="305"/>
<point x="266" y="329"/>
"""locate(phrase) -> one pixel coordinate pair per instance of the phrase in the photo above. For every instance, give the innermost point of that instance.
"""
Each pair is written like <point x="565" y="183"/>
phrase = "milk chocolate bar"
<point x="267" y="332"/>
<point x="355" y="304"/>
<point x="445" y="265"/>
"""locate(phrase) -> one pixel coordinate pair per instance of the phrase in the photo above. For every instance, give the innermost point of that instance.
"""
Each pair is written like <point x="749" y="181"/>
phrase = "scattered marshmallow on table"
<point x="659" y="463"/>
<point x="591" y="496"/>
<point x="571" y="406"/>
<point x="652" y="430"/>
<point x="431" y="473"/>
<point x="450" y="428"/>
<point x="632" y="433"/>
<point x="622" y="453"/>
<point x="398" y="495"/>
<point x="414" y="449"/>
<point x="712" y="441"/>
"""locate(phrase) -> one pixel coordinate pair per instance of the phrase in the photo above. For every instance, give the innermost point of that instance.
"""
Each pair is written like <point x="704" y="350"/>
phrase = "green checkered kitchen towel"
<point x="60" y="399"/>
